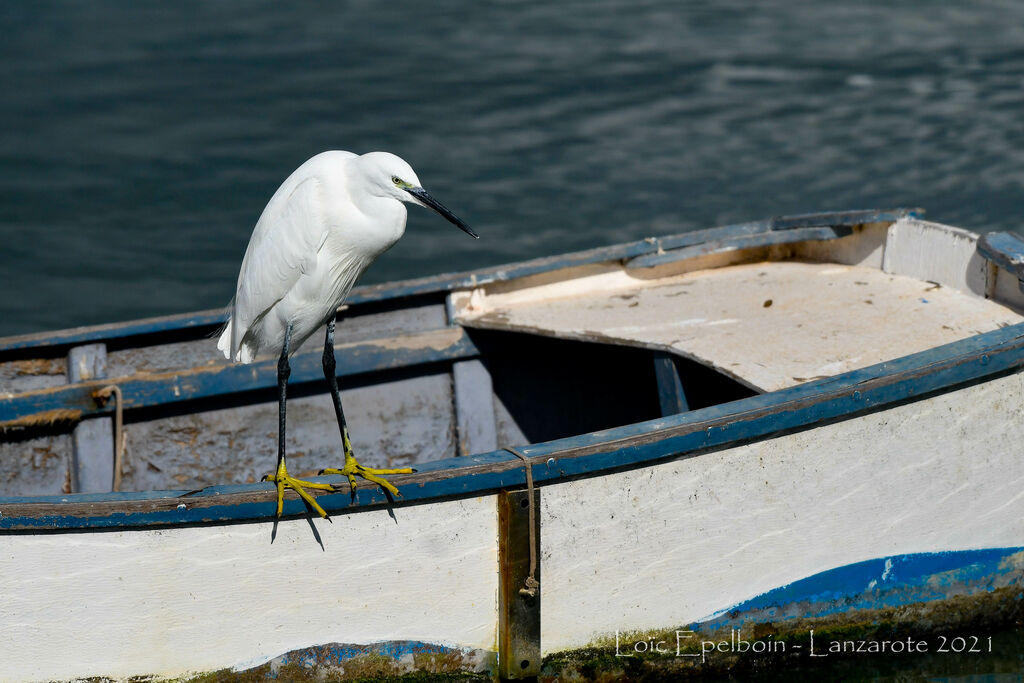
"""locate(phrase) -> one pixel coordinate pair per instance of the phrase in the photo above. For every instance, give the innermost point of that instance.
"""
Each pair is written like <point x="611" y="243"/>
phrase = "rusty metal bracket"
<point x="518" y="612"/>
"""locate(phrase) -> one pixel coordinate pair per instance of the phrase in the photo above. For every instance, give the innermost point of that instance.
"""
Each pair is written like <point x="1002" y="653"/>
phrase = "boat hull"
<point x="756" y="511"/>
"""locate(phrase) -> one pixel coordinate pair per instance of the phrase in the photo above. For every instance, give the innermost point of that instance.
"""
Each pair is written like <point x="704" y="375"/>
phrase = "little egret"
<point x="330" y="219"/>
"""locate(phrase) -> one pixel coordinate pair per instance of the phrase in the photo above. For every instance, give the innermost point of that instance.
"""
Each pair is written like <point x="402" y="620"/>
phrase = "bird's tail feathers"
<point x="245" y="351"/>
<point x="224" y="343"/>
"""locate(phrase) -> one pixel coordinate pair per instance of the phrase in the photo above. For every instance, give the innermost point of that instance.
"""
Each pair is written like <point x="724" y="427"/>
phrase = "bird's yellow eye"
<point x="396" y="180"/>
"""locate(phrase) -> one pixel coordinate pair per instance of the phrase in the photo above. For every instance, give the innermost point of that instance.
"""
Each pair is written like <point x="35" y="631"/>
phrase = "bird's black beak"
<point x="424" y="196"/>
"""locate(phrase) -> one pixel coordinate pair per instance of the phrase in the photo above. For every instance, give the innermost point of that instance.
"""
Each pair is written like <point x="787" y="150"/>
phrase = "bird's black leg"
<point x="352" y="468"/>
<point x="280" y="476"/>
<point x="332" y="381"/>
<point x="283" y="372"/>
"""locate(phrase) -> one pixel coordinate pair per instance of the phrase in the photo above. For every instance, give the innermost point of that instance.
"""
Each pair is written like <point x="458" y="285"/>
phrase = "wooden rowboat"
<point x="794" y="421"/>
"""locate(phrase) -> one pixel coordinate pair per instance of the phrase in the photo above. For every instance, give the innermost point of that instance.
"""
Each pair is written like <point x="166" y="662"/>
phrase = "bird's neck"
<point x="383" y="223"/>
<point x="383" y="209"/>
<point x="384" y="216"/>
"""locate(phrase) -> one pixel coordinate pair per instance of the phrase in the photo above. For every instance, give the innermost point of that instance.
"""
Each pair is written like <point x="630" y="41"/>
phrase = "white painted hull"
<point x="679" y="542"/>
<point x="172" y="601"/>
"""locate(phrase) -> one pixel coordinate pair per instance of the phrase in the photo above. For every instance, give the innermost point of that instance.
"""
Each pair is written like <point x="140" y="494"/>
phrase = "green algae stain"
<point x="937" y="635"/>
<point x="369" y="672"/>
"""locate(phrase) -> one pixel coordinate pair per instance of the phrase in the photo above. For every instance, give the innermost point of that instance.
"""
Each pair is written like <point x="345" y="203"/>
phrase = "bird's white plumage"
<point x="327" y="222"/>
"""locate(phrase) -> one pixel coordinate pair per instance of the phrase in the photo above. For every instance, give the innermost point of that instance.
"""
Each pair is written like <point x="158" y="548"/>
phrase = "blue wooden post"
<point x="92" y="469"/>
<point x="670" y="389"/>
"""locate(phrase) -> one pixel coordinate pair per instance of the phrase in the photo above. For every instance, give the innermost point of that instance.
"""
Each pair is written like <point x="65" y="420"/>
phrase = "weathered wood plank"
<point x="92" y="439"/>
<point x="474" y="407"/>
<point x="670" y="390"/>
<point x="937" y="253"/>
<point x="28" y="374"/>
<point x="393" y="423"/>
<point x="37" y="466"/>
<point x="864" y="247"/>
<point x="202" y="382"/>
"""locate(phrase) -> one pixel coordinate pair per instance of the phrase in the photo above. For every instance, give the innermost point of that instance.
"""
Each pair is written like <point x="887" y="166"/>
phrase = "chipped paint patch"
<point x="437" y="340"/>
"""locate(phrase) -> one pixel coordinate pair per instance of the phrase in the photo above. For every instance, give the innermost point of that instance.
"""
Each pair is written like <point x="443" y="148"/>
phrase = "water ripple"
<point x="139" y="143"/>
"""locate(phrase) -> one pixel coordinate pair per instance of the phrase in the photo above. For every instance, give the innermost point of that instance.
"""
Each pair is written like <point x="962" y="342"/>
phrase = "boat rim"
<point x="884" y="385"/>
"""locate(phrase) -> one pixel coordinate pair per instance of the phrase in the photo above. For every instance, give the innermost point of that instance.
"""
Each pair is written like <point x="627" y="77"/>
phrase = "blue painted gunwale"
<point x="1004" y="249"/>
<point x="743" y="235"/>
<point x="945" y="368"/>
<point x="760" y="238"/>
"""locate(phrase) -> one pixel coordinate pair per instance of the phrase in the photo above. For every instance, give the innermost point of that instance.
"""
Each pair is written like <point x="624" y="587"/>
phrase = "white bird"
<point x="323" y="227"/>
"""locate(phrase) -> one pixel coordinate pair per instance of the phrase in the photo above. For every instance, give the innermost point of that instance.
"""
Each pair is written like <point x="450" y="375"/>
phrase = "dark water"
<point x="140" y="141"/>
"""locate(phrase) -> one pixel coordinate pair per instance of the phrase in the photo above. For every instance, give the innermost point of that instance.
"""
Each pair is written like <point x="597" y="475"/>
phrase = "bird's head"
<point x="389" y="175"/>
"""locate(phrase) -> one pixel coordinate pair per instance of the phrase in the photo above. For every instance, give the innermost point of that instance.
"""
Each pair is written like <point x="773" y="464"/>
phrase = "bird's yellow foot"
<point x="353" y="469"/>
<point x="284" y="481"/>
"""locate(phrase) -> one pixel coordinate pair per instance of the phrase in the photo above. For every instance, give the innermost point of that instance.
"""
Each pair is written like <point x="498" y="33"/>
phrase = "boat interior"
<point x="455" y="365"/>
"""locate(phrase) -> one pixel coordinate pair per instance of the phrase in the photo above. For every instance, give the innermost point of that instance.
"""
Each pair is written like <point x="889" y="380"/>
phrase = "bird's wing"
<point x="283" y="246"/>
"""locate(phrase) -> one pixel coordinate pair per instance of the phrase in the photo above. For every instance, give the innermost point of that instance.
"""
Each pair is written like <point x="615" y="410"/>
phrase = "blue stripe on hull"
<point x="879" y="583"/>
